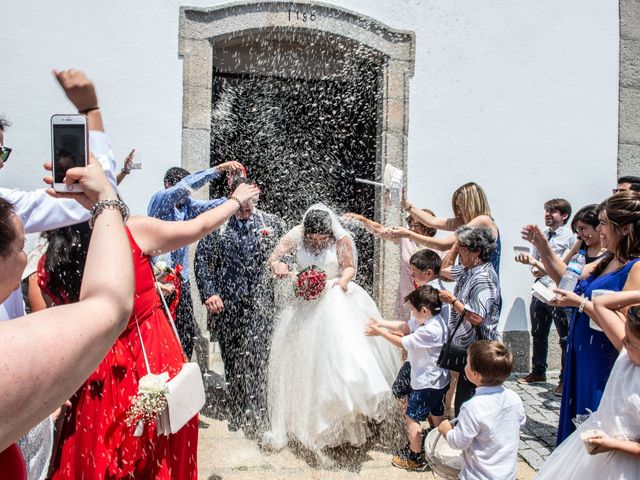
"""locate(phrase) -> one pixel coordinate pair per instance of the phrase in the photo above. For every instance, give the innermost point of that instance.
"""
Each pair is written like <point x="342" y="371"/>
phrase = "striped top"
<point x="478" y="288"/>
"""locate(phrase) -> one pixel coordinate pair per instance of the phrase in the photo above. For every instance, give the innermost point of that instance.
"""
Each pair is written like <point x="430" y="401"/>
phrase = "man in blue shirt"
<point x="173" y="204"/>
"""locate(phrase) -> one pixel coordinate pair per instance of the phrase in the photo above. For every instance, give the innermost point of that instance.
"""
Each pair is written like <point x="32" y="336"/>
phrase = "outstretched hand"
<point x="398" y="232"/>
<point x="532" y="233"/>
<point x="78" y="88"/>
<point x="373" y="328"/>
<point x="93" y="182"/>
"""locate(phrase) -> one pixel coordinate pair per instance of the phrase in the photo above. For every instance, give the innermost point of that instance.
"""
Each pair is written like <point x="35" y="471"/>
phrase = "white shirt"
<point x="437" y="283"/>
<point x="40" y="212"/>
<point x="423" y="348"/>
<point x="561" y="241"/>
<point x="488" y="432"/>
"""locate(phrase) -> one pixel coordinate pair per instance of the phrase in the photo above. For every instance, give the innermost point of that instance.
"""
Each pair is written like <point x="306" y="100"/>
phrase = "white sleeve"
<point x="40" y="212"/>
<point x="421" y="338"/>
<point x="101" y="148"/>
<point x="465" y="431"/>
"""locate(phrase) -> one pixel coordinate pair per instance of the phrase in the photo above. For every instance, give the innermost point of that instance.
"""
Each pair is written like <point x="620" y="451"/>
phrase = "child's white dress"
<point x="619" y="416"/>
<point x="326" y="378"/>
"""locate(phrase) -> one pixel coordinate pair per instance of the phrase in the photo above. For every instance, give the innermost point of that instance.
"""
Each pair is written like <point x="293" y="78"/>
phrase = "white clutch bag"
<point x="185" y="398"/>
<point x="185" y="395"/>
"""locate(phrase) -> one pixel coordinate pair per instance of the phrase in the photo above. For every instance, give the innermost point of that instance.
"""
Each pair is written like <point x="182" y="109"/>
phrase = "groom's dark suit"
<point x="232" y="262"/>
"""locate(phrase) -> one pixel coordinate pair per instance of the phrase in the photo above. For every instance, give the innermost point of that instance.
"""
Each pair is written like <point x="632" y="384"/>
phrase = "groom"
<point x="237" y="290"/>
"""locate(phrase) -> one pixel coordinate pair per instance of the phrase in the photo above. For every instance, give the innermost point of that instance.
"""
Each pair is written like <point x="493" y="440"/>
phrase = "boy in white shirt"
<point x="425" y="270"/>
<point x="425" y="333"/>
<point x="488" y="429"/>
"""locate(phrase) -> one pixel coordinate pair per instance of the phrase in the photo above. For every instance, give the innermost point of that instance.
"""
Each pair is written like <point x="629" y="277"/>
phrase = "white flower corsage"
<point x="150" y="400"/>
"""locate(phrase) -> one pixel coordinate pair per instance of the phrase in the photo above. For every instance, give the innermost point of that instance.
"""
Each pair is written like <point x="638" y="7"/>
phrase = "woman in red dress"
<point x="96" y="441"/>
<point x="44" y="358"/>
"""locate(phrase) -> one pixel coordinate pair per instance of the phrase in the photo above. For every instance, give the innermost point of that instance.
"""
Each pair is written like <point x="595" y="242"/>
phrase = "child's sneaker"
<point x="411" y="462"/>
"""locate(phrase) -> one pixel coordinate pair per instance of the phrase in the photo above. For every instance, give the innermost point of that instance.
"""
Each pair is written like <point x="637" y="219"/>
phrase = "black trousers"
<point x="542" y="315"/>
<point x="244" y="346"/>
<point x="185" y="320"/>
<point x="464" y="391"/>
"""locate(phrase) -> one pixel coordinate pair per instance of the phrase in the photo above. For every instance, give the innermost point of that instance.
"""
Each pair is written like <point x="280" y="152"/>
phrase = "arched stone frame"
<point x="201" y="28"/>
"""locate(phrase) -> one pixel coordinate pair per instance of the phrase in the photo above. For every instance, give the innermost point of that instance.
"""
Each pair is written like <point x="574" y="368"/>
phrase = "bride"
<point x="326" y="379"/>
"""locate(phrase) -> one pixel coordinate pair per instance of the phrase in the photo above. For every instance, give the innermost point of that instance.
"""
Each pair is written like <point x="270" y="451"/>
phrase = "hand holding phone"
<point x="92" y="182"/>
<point x="69" y="148"/>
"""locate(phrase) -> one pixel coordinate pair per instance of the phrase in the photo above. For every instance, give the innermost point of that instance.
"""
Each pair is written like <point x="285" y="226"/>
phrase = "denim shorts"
<point x="426" y="401"/>
<point x="402" y="386"/>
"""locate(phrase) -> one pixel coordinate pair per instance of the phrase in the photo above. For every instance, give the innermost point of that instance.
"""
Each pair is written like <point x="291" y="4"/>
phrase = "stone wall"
<point x="629" y="110"/>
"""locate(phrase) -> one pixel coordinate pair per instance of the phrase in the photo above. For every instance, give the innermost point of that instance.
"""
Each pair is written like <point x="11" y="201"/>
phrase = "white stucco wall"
<point x="516" y="95"/>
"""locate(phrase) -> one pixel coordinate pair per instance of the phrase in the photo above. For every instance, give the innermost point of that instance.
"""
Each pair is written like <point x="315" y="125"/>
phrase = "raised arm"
<point x="449" y="224"/>
<point x="39" y="211"/>
<point x="157" y="236"/>
<point x="435" y="243"/>
<point x="553" y="264"/>
<point x="165" y="200"/>
<point x="126" y="168"/>
<point x="45" y="358"/>
<point x="374" y="227"/>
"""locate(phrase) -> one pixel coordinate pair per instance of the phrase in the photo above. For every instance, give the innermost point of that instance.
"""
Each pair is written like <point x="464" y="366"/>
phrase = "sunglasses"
<point x="4" y="153"/>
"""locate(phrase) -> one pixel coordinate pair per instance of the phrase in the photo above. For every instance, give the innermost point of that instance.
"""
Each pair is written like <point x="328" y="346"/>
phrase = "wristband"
<point x="101" y="205"/>
<point x="126" y="172"/>
<point x="583" y="304"/>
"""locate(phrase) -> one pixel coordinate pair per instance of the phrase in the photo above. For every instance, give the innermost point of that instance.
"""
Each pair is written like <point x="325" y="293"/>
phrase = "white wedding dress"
<point x="326" y="378"/>
<point x="618" y="415"/>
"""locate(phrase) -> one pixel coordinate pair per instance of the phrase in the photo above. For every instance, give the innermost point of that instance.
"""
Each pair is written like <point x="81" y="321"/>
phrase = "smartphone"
<point x="69" y="148"/>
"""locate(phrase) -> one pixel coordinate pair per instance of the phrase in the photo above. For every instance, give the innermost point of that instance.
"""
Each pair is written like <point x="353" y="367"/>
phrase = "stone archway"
<point x="201" y="30"/>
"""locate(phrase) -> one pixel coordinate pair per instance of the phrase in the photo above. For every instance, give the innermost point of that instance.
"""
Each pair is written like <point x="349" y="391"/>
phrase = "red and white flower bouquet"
<point x="310" y="283"/>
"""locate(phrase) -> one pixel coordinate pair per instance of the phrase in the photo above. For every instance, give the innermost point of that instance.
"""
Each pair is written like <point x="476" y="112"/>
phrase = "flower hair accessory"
<point x="310" y="283"/>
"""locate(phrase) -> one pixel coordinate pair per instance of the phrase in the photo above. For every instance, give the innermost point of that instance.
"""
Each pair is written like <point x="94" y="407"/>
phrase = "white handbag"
<point x="185" y="395"/>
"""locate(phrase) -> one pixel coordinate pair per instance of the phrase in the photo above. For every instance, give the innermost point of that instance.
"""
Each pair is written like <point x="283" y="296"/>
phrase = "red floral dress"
<point x="95" y="441"/>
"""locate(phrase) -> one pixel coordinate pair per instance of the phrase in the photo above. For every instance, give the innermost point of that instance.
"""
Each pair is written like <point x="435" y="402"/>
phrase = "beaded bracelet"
<point x="100" y="206"/>
<point x="231" y="197"/>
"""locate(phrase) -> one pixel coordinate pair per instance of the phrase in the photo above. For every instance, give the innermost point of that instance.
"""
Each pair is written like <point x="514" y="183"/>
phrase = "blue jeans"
<point x="426" y="401"/>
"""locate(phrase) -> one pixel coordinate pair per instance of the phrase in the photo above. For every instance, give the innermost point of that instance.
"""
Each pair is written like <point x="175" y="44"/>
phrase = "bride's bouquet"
<point x="310" y="283"/>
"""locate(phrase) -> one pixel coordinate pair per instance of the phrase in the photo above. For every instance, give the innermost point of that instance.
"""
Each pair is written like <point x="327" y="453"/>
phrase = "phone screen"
<point x="69" y="143"/>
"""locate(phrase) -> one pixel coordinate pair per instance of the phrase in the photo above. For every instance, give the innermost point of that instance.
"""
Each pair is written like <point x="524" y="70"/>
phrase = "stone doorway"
<point x="305" y="130"/>
<point x="299" y="50"/>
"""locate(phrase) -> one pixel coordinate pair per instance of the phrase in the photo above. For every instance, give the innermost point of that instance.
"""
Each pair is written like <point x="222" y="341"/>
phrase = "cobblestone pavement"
<point x="538" y="436"/>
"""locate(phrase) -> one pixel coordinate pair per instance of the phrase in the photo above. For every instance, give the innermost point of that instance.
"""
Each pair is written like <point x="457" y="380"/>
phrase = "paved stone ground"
<point x="224" y="455"/>
<point x="538" y="436"/>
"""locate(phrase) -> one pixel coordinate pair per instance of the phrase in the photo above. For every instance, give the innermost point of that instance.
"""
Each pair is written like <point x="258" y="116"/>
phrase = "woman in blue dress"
<point x="590" y="354"/>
